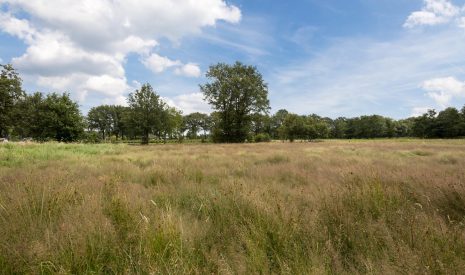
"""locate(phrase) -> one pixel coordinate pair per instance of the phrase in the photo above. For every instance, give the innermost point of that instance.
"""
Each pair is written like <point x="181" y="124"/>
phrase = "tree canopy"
<point x="238" y="96"/>
<point x="235" y="92"/>
<point x="146" y="111"/>
<point x="11" y="93"/>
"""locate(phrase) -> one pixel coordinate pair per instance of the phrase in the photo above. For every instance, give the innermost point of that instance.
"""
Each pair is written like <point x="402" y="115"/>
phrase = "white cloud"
<point x="106" y="21"/>
<point x="17" y="27"/>
<point x="443" y="90"/>
<point x="110" y="87"/>
<point x="120" y="100"/>
<point x="424" y="18"/>
<point x="81" y="46"/>
<point x="419" y="111"/>
<point x="158" y="64"/>
<point x="190" y="70"/>
<point x="434" y="12"/>
<point x="189" y="103"/>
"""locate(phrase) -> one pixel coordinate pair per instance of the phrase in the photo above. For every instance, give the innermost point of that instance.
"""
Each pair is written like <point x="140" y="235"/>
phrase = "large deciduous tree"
<point x="196" y="122"/>
<point x="11" y="93"/>
<point x="236" y="92"/>
<point x="57" y="117"/>
<point x="173" y="124"/>
<point x="100" y="118"/>
<point x="147" y="111"/>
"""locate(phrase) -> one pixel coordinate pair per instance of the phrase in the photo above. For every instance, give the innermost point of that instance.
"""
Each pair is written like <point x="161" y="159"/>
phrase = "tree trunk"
<point x="145" y="137"/>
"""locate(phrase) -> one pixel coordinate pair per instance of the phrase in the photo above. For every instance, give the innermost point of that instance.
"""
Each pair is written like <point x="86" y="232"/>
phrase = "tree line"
<point x="238" y="96"/>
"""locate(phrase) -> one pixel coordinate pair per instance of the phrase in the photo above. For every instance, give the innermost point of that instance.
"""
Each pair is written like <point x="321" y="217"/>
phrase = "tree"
<point x="146" y="111"/>
<point x="173" y="123"/>
<point x="101" y="118"/>
<point x="120" y="116"/>
<point x="194" y="123"/>
<point x="403" y="128"/>
<point x="236" y="92"/>
<point x="462" y="123"/>
<point x="316" y="127"/>
<point x="56" y="117"/>
<point x="11" y="93"/>
<point x="339" y="127"/>
<point x="424" y="126"/>
<point x="206" y="126"/>
<point x="448" y="124"/>
<point x="277" y="121"/>
<point x="261" y="124"/>
<point x="29" y="109"/>
<point x="293" y="127"/>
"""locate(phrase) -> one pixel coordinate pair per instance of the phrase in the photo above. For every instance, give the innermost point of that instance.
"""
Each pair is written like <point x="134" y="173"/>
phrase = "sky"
<point x="396" y="58"/>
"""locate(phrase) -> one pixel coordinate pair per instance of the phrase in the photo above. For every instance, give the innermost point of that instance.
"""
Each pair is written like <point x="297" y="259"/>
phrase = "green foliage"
<point x="11" y="93"/>
<point x="424" y="125"/>
<point x="173" y="124"/>
<point x="53" y="117"/>
<point x="276" y="121"/>
<point x="109" y="120"/>
<point x="261" y="123"/>
<point x="196" y="122"/>
<point x="91" y="137"/>
<point x="262" y="137"/>
<point x="449" y="123"/>
<point x="304" y="127"/>
<point x="293" y="127"/>
<point x="235" y="92"/>
<point x="147" y="111"/>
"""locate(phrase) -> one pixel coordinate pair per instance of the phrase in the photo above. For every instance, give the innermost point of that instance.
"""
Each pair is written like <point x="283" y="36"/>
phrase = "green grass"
<point x="334" y="207"/>
<point x="15" y="155"/>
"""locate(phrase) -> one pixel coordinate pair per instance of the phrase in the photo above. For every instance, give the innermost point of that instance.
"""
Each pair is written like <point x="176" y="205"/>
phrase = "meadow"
<point x="331" y="207"/>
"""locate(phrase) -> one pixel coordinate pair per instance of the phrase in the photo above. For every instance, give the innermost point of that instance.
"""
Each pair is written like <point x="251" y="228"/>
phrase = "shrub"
<point x="91" y="137"/>
<point x="263" y="137"/>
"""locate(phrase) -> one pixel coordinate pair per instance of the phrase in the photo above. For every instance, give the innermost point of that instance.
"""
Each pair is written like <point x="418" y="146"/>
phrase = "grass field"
<point x="388" y="206"/>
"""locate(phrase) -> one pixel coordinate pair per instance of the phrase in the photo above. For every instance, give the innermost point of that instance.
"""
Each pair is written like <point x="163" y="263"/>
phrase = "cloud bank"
<point x="82" y="46"/>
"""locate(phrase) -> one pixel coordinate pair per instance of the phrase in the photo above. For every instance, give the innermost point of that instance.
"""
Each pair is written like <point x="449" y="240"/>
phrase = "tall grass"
<point x="338" y="207"/>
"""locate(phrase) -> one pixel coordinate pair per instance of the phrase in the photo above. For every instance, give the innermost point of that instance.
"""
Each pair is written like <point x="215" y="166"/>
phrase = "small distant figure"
<point x="3" y="140"/>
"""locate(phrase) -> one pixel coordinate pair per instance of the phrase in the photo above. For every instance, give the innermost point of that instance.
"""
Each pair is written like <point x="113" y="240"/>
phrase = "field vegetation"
<point x="338" y="207"/>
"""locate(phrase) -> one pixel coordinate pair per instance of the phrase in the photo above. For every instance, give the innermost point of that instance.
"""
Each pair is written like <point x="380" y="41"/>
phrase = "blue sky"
<point x="331" y="57"/>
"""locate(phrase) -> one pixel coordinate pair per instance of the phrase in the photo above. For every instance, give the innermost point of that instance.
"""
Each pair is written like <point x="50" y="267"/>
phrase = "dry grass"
<point x="331" y="207"/>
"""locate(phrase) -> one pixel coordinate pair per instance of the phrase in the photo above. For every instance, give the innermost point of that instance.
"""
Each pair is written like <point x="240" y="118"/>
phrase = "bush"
<point x="263" y="137"/>
<point x="91" y="137"/>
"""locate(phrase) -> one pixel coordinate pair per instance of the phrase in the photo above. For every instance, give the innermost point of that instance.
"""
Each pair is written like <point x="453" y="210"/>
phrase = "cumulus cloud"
<point x="110" y="87"/>
<point x="419" y="111"/>
<point x="159" y="64"/>
<point x="189" y="103"/>
<point x="190" y="69"/>
<point x="434" y="12"/>
<point x="443" y="90"/>
<point x="81" y="46"/>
